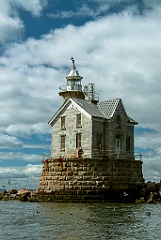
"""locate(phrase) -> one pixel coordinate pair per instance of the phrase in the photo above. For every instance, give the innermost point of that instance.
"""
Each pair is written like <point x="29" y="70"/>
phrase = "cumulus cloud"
<point x="10" y="23"/>
<point x="33" y="6"/>
<point x="19" y="156"/>
<point x="122" y="57"/>
<point x="20" y="177"/>
<point x="10" y="142"/>
<point x="120" y="53"/>
<point x="149" y="142"/>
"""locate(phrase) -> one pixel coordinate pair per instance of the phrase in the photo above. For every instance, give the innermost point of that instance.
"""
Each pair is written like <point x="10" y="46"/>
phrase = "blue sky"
<point x="116" y="44"/>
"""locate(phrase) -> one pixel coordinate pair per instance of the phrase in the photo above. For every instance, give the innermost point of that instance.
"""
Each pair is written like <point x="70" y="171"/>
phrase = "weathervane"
<point x="73" y="61"/>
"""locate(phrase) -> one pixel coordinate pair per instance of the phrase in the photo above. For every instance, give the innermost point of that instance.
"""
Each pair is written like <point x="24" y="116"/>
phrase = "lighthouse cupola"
<point x="73" y="88"/>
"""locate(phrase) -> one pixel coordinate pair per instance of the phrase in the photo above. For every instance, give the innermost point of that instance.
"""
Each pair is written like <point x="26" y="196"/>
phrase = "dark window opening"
<point x="62" y="143"/>
<point x="78" y="121"/>
<point x="78" y="140"/>
<point x="99" y="140"/>
<point x="63" y="122"/>
<point x="128" y="144"/>
<point x="118" y="121"/>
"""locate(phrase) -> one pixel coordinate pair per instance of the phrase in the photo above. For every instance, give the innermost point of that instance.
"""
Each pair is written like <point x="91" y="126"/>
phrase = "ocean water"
<point x="72" y="221"/>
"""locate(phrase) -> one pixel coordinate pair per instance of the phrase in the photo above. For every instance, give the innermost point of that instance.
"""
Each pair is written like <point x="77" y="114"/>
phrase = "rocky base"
<point x="146" y="193"/>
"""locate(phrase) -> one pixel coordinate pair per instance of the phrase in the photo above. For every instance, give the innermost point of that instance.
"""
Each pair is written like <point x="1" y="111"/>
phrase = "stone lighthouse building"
<point x="92" y="144"/>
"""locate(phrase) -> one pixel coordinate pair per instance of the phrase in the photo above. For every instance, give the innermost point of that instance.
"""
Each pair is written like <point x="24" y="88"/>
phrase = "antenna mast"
<point x="73" y="61"/>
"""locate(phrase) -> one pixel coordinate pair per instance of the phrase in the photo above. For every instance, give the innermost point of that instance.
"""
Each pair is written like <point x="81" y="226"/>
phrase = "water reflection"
<point x="101" y="221"/>
<point x="76" y="221"/>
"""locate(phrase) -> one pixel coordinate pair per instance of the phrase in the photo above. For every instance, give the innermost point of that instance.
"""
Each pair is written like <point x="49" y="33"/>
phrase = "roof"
<point x="109" y="107"/>
<point x="73" y="73"/>
<point x="91" y="108"/>
<point x="105" y="109"/>
<point x="132" y="120"/>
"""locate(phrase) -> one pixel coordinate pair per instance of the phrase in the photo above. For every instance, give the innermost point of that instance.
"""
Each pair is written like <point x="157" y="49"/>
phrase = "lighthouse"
<point x="92" y="146"/>
<point x="73" y="88"/>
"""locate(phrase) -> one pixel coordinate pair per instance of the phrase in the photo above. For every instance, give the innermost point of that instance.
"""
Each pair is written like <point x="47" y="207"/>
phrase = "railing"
<point x="95" y="153"/>
<point x="70" y="88"/>
<point x="46" y="156"/>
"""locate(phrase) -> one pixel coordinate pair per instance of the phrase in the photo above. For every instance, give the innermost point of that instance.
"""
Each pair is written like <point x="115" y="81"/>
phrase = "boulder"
<point x="23" y="192"/>
<point x="151" y="187"/>
<point x="12" y="191"/>
<point x="153" y="197"/>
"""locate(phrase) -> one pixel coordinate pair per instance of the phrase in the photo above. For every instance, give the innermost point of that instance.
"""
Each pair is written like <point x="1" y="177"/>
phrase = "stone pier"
<point x="80" y="178"/>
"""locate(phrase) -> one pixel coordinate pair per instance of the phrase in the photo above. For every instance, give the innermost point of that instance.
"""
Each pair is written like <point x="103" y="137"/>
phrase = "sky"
<point x="116" y="44"/>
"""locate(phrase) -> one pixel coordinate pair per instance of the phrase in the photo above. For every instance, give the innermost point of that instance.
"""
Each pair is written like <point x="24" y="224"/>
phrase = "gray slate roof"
<point x="91" y="108"/>
<point x="104" y="109"/>
<point x="109" y="107"/>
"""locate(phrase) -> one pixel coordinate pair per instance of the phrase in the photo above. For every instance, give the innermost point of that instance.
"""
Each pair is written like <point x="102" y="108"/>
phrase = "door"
<point x="117" y="145"/>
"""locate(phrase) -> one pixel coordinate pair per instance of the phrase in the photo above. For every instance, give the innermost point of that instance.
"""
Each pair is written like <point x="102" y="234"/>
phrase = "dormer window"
<point x="78" y="121"/>
<point x="63" y="122"/>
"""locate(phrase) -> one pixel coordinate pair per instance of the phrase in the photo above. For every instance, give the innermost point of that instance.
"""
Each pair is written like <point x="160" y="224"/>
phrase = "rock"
<point x="12" y="191"/>
<point x="23" y="192"/>
<point x="153" y="197"/>
<point x="151" y="187"/>
<point x="140" y="200"/>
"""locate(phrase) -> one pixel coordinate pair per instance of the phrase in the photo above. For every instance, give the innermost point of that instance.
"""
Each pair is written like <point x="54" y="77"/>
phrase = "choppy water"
<point x="72" y="221"/>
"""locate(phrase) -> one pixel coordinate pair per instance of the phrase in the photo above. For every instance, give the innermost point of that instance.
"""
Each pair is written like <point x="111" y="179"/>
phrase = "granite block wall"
<point x="88" y="176"/>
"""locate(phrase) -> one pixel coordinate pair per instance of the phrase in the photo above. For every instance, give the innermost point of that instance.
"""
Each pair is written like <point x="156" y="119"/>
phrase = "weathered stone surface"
<point x="137" y="194"/>
<point x="68" y="176"/>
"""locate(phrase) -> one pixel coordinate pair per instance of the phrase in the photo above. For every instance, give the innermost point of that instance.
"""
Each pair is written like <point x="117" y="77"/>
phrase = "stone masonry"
<point x="76" y="178"/>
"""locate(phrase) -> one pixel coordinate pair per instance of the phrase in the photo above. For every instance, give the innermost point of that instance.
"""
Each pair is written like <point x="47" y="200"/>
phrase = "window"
<point x="78" y="140"/>
<point x="99" y="140"/>
<point x="118" y="121"/>
<point x="117" y="145"/>
<point x="62" y="143"/>
<point x="78" y="121"/>
<point x="128" y="140"/>
<point x="63" y="122"/>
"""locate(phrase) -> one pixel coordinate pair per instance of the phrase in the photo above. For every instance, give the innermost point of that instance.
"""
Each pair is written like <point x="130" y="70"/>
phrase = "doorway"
<point x="117" y="145"/>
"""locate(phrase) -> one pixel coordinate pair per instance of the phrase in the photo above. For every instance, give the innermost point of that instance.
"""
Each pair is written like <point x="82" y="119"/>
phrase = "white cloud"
<point x="28" y="129"/>
<point x="33" y="6"/>
<point x="122" y="57"/>
<point x="10" y="142"/>
<point x="10" y="23"/>
<point x="119" y="53"/>
<point x="152" y="168"/>
<point x="150" y="143"/>
<point x="82" y="11"/>
<point x="20" y="177"/>
<point x="18" y="156"/>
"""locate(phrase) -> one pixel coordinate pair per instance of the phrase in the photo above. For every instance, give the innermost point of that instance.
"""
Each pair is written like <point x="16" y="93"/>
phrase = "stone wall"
<point x="70" y="132"/>
<point x="81" y="177"/>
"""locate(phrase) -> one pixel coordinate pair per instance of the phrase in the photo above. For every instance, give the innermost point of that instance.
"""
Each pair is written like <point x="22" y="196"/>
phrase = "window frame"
<point x="78" y="140"/>
<point x="62" y="123"/>
<point x="62" y="143"/>
<point x="78" y="120"/>
<point x="99" y="140"/>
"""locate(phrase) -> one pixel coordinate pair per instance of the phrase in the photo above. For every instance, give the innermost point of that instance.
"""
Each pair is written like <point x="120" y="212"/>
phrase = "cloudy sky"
<point x="116" y="44"/>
